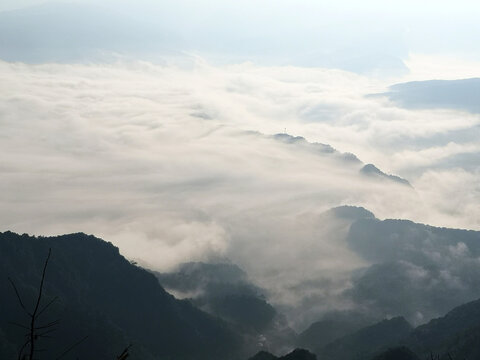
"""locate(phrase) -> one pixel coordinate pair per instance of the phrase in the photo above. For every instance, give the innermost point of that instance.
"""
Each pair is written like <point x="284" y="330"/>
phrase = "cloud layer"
<point x="177" y="163"/>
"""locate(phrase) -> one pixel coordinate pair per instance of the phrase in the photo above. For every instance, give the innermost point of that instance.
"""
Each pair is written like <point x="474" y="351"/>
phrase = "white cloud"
<point x="176" y="164"/>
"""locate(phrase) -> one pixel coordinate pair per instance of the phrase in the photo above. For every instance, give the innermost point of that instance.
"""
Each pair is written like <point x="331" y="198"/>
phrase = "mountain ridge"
<point x="95" y="282"/>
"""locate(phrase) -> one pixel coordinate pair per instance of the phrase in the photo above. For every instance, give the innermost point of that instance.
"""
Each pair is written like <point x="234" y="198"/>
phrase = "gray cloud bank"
<point x="179" y="164"/>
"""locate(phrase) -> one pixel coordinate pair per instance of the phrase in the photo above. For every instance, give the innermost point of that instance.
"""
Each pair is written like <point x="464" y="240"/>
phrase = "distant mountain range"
<point x="367" y="341"/>
<point x="369" y="170"/>
<point x="462" y="94"/>
<point x="456" y="334"/>
<point x="416" y="270"/>
<point x="116" y="303"/>
<point x="297" y="354"/>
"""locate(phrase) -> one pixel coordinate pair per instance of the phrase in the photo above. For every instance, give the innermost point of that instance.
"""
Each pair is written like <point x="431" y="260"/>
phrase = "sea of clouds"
<point x="177" y="163"/>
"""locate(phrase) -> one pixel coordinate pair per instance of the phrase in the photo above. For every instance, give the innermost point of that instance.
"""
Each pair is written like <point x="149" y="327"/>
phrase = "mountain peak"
<point x="296" y="354"/>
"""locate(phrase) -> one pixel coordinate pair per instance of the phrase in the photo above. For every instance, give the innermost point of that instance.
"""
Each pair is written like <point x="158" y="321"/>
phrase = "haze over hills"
<point x="400" y="277"/>
<point x="223" y="290"/>
<point x="419" y="271"/>
<point x="201" y="188"/>
<point x="460" y="94"/>
<point x="331" y="327"/>
<point x="103" y="295"/>
<point x="280" y="178"/>
<point x="366" y="342"/>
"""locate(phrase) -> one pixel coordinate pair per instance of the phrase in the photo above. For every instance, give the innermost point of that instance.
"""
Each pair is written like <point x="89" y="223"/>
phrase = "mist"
<point x="176" y="163"/>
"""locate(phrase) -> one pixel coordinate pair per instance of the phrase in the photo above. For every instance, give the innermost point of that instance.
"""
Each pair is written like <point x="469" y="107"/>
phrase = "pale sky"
<point x="399" y="26"/>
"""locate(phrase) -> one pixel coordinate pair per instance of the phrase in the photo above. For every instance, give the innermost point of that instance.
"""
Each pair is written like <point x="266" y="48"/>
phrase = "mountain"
<point x="369" y="170"/>
<point x="455" y="335"/>
<point x="300" y="140"/>
<point x="397" y="353"/>
<point x="458" y="332"/>
<point x="353" y="213"/>
<point x="301" y="143"/>
<point x="103" y="296"/>
<point x="462" y="94"/>
<point x="224" y="290"/>
<point x="333" y="326"/>
<point x="263" y="355"/>
<point x="366" y="342"/>
<point x="373" y="171"/>
<point x="414" y="270"/>
<point x="297" y="354"/>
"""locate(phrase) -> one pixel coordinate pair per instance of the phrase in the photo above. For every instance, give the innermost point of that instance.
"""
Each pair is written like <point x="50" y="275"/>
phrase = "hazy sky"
<point x="351" y="35"/>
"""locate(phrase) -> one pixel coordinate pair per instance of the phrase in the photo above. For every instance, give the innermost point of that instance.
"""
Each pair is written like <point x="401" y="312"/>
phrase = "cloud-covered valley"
<point x="177" y="163"/>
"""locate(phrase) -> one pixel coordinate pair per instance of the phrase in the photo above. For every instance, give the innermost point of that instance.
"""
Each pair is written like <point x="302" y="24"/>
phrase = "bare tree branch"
<point x="124" y="353"/>
<point x="35" y="311"/>
<point x="50" y="324"/>
<point x="19" y="297"/>
<point x="22" y="348"/>
<point x="46" y="306"/>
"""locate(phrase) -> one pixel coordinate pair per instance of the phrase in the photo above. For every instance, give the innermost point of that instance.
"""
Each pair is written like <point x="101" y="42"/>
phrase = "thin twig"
<point x="46" y="306"/>
<point x="124" y="353"/>
<point x="22" y="348"/>
<point x="46" y="332"/>
<point x="18" y="297"/>
<point x="50" y="324"/>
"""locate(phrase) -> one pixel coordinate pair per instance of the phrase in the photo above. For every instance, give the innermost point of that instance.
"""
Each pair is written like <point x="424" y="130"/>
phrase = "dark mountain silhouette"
<point x="333" y="326"/>
<point x="297" y="354"/>
<point x="453" y="336"/>
<point x="368" y="341"/>
<point x="458" y="332"/>
<point x="263" y="355"/>
<point x="104" y="296"/>
<point x="115" y="303"/>
<point x="398" y="353"/>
